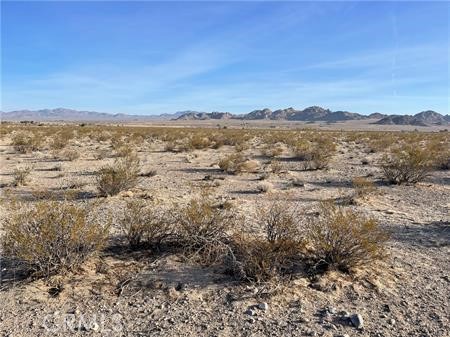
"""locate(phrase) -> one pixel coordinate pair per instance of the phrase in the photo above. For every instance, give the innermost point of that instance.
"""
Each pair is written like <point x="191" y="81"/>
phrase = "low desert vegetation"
<point x="21" y="175"/>
<point x="315" y="154"/>
<point x="407" y="164"/>
<point x="203" y="229"/>
<point x="145" y="225"/>
<point x="61" y="139"/>
<point x="363" y="187"/>
<point x="237" y="163"/>
<point x="26" y="141"/>
<point x="122" y="175"/>
<point x="262" y="258"/>
<point x="68" y="154"/>
<point x="344" y="240"/>
<point x="52" y="237"/>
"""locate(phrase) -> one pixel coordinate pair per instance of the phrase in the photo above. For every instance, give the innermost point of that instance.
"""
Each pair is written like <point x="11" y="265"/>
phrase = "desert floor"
<point x="128" y="293"/>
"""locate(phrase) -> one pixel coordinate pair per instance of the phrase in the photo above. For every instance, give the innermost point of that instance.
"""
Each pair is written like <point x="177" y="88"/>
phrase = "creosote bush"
<point x="68" y="154"/>
<point x="408" y="164"/>
<point x="52" y="237"/>
<point x="315" y="154"/>
<point x="343" y="239"/>
<point x="260" y="258"/>
<point x="237" y="163"/>
<point x="120" y="176"/>
<point x="363" y="187"/>
<point x="26" y="141"/>
<point x="202" y="229"/>
<point x="145" y="225"/>
<point x="20" y="175"/>
<point x="61" y="139"/>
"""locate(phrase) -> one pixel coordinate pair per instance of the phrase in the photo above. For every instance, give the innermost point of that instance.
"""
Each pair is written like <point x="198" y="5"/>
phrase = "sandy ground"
<point x="142" y="294"/>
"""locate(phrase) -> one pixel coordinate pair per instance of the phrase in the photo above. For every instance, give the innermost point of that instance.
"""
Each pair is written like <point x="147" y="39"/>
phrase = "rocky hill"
<point x="424" y="118"/>
<point x="193" y="115"/>
<point x="310" y="114"/>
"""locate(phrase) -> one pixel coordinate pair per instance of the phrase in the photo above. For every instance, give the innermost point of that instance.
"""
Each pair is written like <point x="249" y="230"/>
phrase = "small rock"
<point x="344" y="313"/>
<point x="250" y="312"/>
<point x="357" y="321"/>
<point x="95" y="327"/>
<point x="391" y="321"/>
<point x="128" y="194"/>
<point x="310" y="332"/>
<point x="331" y="310"/>
<point x="386" y="308"/>
<point x="263" y="306"/>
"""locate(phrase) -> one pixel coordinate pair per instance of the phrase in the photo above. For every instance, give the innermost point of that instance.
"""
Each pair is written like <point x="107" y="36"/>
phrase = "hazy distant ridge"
<point x="310" y="114"/>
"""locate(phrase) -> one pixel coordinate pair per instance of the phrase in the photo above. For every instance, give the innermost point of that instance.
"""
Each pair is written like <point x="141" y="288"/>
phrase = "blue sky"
<point x="159" y="57"/>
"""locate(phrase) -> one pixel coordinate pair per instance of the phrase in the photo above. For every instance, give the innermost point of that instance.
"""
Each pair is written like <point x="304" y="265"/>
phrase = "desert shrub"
<point x="144" y="225"/>
<point x="101" y="136"/>
<point x="68" y="154"/>
<point x="276" y="166"/>
<point x="121" y="148"/>
<point x="50" y="236"/>
<point x="237" y="163"/>
<point x="72" y="183"/>
<point x="120" y="176"/>
<point x="241" y="146"/>
<point x="202" y="229"/>
<point x="380" y="141"/>
<point x="315" y="154"/>
<point x="272" y="151"/>
<point x="343" y="239"/>
<point x="362" y="186"/>
<point x="218" y="140"/>
<point x="170" y="146"/>
<point x="101" y="154"/>
<point x="20" y="175"/>
<point x="407" y="164"/>
<point x="441" y="154"/>
<point x="179" y="145"/>
<point x="199" y="141"/>
<point x="443" y="161"/>
<point x="277" y="253"/>
<point x="60" y="140"/>
<point x="26" y="142"/>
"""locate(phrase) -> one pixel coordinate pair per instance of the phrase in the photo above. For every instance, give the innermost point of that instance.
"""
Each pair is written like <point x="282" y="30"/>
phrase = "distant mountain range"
<point x="319" y="114"/>
<point x="310" y="114"/>
<point x="62" y="114"/>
